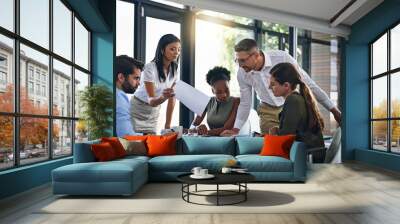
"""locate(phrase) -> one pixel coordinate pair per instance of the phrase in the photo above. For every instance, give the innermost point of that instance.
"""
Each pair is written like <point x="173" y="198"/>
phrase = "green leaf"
<point x="96" y="102"/>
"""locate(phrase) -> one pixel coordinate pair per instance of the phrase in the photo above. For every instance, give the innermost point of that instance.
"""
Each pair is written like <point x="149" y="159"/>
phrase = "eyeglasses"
<point x="241" y="61"/>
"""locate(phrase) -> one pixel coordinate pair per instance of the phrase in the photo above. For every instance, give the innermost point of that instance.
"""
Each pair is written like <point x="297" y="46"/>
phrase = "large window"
<point x="275" y="36"/>
<point x="125" y="19"/>
<point x="319" y="55"/>
<point x="34" y="26"/>
<point x="385" y="96"/>
<point x="219" y="32"/>
<point x="7" y="14"/>
<point x="40" y="80"/>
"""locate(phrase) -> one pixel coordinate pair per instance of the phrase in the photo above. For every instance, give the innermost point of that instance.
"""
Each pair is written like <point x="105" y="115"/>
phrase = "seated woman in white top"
<point x="156" y="87"/>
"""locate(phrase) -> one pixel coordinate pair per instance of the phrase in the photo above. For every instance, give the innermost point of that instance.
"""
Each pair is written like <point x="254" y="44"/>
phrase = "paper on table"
<point x="192" y="98"/>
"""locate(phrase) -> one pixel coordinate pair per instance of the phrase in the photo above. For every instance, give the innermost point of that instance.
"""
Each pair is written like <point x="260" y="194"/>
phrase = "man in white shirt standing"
<point x="254" y="67"/>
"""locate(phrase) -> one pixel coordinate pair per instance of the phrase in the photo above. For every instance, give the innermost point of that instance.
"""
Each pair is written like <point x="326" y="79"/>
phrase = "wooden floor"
<point x="377" y="188"/>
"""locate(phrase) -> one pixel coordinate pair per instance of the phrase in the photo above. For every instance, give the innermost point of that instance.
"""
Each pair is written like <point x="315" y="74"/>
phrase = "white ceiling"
<point x="319" y="9"/>
<point x="308" y="14"/>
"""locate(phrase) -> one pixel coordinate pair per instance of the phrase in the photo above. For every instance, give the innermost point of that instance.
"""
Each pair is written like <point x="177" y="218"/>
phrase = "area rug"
<point x="167" y="198"/>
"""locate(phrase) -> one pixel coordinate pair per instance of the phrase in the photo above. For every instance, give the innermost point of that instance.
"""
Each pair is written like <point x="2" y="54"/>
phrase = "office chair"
<point x="324" y="155"/>
<point x="334" y="147"/>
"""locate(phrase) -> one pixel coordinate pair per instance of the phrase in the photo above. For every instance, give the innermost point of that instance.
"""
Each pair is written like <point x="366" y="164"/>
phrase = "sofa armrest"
<point x="83" y="152"/>
<point x="298" y="157"/>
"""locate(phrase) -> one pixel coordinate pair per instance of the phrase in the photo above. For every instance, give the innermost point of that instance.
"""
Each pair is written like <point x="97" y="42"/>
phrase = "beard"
<point x="246" y="69"/>
<point x="128" y="88"/>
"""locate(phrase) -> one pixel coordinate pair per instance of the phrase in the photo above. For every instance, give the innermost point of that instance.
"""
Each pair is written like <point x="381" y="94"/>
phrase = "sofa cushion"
<point x="257" y="163"/>
<point x="130" y="158"/>
<point x="161" y="145"/>
<point x="277" y="145"/>
<point x="112" y="171"/>
<point x="83" y="152"/>
<point x="134" y="147"/>
<point x="116" y="145"/>
<point x="185" y="163"/>
<point x="249" y="145"/>
<point x="135" y="137"/>
<point x="103" y="152"/>
<point x="208" y="145"/>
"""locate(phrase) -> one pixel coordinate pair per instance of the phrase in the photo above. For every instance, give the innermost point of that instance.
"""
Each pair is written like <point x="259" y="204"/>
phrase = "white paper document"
<point x="192" y="98"/>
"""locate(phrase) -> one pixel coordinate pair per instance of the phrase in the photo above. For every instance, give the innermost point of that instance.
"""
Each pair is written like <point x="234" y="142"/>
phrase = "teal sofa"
<point x="125" y="176"/>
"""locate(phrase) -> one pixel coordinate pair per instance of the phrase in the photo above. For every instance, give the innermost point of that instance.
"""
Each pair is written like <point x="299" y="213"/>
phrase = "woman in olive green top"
<point x="221" y="109"/>
<point x="300" y="115"/>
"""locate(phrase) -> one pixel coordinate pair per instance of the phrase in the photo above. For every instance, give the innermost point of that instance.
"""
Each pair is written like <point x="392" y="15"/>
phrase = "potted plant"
<point x="96" y="102"/>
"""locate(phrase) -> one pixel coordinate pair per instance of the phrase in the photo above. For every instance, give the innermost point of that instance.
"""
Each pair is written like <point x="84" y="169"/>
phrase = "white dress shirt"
<point x="150" y="74"/>
<point x="259" y="80"/>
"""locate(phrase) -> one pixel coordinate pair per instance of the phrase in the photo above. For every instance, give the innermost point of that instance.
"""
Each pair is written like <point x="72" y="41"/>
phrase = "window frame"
<point x="3" y="68"/>
<point x="16" y="115"/>
<point x="388" y="74"/>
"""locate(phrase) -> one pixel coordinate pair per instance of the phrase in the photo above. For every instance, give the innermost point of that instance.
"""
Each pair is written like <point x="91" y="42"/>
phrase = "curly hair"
<point x="216" y="74"/>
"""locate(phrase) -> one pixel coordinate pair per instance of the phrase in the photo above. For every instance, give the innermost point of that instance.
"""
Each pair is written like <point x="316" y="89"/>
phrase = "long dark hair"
<point x="286" y="72"/>
<point x="158" y="58"/>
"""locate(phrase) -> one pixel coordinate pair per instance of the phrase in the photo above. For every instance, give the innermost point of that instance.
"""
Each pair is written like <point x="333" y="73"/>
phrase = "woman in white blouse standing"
<point x="156" y="87"/>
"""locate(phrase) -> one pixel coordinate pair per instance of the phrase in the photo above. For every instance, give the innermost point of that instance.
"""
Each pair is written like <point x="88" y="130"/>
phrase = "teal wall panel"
<point x="356" y="109"/>
<point x="356" y="126"/>
<point x="24" y="178"/>
<point x="102" y="58"/>
<point x="380" y="159"/>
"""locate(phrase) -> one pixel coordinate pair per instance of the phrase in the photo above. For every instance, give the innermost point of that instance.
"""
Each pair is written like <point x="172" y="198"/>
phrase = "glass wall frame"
<point x="20" y="155"/>
<point x="384" y="73"/>
<point x="320" y="55"/>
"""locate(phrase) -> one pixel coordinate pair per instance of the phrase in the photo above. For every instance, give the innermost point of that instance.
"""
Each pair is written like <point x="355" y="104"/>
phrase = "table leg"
<point x="245" y="193"/>
<point x="217" y="194"/>
<point x="182" y="190"/>
<point x="188" y="190"/>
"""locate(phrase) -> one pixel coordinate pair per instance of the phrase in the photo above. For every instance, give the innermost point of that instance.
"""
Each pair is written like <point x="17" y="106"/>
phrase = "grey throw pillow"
<point x="134" y="147"/>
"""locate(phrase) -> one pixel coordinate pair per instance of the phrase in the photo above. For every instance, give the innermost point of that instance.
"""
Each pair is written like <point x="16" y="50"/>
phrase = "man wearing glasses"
<point x="254" y="67"/>
<point x="127" y="72"/>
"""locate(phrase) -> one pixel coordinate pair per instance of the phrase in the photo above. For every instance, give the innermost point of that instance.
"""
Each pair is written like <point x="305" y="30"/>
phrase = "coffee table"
<point x="238" y="179"/>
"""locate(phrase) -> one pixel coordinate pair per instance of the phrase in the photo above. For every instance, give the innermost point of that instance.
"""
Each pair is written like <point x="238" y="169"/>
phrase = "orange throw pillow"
<point x="136" y="137"/>
<point x="103" y="152"/>
<point x="116" y="145"/>
<point x="277" y="145"/>
<point x="161" y="145"/>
